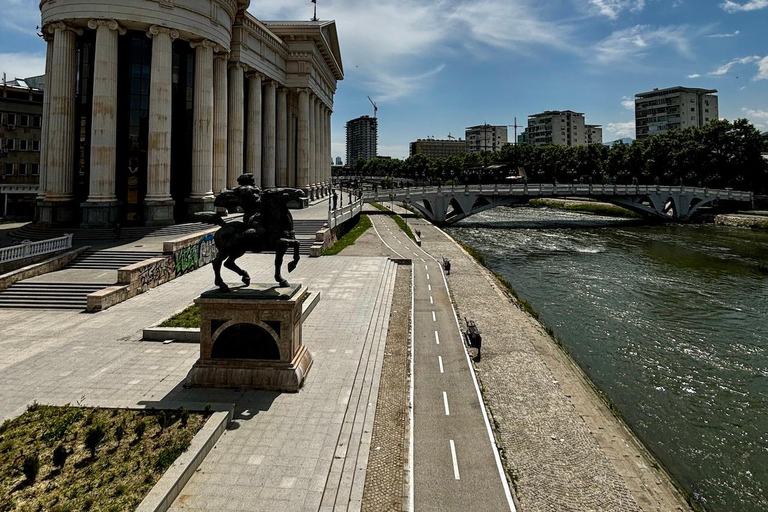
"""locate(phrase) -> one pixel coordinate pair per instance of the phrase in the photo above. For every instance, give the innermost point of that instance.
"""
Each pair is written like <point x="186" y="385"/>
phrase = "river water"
<point x="671" y="322"/>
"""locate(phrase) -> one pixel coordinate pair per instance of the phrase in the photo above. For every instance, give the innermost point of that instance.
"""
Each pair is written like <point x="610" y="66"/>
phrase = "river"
<point x="671" y="322"/>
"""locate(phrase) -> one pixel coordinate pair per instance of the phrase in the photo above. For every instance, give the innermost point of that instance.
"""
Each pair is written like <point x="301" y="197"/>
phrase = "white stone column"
<point x="158" y="205"/>
<point x="282" y="138"/>
<point x="219" y="122"/>
<point x="302" y="166"/>
<point x="318" y="149"/>
<point x="100" y="210"/>
<point x="268" y="177"/>
<point x="312" y="148"/>
<point x="328" y="155"/>
<point x="253" y="144"/>
<point x="44" y="124"/>
<point x="61" y="125"/>
<point x="201" y="196"/>
<point x="236" y="123"/>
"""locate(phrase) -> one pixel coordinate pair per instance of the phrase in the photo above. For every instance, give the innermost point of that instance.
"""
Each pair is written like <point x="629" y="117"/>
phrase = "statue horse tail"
<point x="209" y="218"/>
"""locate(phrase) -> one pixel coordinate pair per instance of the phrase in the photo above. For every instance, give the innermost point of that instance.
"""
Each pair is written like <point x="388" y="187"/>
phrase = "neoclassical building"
<point x="153" y="106"/>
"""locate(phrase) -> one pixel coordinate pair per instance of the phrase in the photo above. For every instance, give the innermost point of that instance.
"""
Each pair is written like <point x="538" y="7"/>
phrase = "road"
<point x="455" y="462"/>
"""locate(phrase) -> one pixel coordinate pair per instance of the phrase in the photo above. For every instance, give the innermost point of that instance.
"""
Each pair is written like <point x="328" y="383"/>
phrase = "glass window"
<point x="10" y="144"/>
<point x="23" y="120"/>
<point x="22" y="169"/>
<point x="34" y="169"/>
<point x="35" y="145"/>
<point x="11" y="118"/>
<point x="23" y="143"/>
<point x="36" y="121"/>
<point x="9" y="169"/>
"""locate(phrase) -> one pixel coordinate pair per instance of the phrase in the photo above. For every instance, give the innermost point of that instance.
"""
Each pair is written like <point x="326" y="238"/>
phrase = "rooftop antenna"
<point x="375" y="108"/>
<point x="314" y="17"/>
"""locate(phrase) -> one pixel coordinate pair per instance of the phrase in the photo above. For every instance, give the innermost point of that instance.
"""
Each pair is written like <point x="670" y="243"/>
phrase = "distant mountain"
<point x="625" y="140"/>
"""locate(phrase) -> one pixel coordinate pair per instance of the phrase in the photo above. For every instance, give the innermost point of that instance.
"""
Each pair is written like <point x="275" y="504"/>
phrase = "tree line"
<point x="721" y="154"/>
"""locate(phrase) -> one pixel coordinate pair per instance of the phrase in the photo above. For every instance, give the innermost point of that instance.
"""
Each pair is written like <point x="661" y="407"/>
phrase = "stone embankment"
<point x="743" y="221"/>
<point x="562" y="447"/>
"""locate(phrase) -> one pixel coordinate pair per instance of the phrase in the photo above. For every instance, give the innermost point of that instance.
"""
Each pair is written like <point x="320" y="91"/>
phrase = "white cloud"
<point x="751" y="5"/>
<point x="694" y="75"/>
<point x="628" y="103"/>
<point x="21" y="16"/>
<point x="612" y="8"/>
<point x="755" y="114"/>
<point x="732" y="34"/>
<point x="22" y="65"/>
<point x="621" y="130"/>
<point x="762" y="69"/>
<point x="725" y="68"/>
<point x="634" y="42"/>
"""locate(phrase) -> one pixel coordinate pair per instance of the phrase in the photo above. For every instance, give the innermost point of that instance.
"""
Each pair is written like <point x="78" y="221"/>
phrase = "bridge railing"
<point x="341" y="215"/>
<point x="557" y="189"/>
<point x="26" y="250"/>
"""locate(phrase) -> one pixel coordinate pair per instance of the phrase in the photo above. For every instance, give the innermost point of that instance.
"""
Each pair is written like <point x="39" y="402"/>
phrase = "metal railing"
<point x="26" y="250"/>
<point x="341" y="215"/>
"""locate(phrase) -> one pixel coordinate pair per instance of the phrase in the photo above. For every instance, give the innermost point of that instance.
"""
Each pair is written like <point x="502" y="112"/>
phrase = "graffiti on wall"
<point x="156" y="273"/>
<point x="207" y="250"/>
<point x="195" y="256"/>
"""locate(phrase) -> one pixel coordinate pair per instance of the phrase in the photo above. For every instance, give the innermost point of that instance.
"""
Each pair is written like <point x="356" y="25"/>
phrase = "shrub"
<point x="139" y="429"/>
<point x="162" y="420"/>
<point x="60" y="455"/>
<point x="93" y="438"/>
<point x="119" y="433"/>
<point x="170" y="453"/>
<point x="183" y="416"/>
<point x="30" y="467"/>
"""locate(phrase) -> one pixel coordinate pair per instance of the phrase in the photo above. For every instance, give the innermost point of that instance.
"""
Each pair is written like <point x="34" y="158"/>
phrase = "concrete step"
<point x="110" y="260"/>
<point x="41" y="295"/>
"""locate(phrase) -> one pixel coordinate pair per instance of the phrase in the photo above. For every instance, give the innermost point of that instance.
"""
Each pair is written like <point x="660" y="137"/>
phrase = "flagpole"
<point x="314" y="18"/>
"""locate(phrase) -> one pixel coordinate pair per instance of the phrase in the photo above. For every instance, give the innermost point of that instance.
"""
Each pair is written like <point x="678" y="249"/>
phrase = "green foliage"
<point x="119" y="433"/>
<point x="207" y="408"/>
<point x="58" y="426"/>
<point x="171" y="452"/>
<point x="183" y="416"/>
<point x="719" y="155"/>
<point x="162" y="420"/>
<point x="60" y="455"/>
<point x="93" y="438"/>
<point x="189" y="318"/>
<point x="30" y="467"/>
<point x="361" y="227"/>
<point x="140" y="428"/>
<point x="762" y="267"/>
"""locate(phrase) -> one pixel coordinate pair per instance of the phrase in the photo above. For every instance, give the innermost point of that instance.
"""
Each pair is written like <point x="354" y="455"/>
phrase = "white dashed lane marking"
<point x="437" y="338"/>
<point x="440" y="361"/>
<point x="455" y="462"/>
<point x="445" y="403"/>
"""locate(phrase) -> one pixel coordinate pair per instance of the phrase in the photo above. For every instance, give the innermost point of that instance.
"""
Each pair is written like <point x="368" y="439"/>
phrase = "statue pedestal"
<point x="250" y="337"/>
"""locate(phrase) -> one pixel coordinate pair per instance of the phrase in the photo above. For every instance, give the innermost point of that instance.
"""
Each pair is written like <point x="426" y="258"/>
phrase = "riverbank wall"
<point x="563" y="447"/>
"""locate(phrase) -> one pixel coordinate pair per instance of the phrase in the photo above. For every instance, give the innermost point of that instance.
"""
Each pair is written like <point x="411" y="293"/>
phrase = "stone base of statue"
<point x="250" y="337"/>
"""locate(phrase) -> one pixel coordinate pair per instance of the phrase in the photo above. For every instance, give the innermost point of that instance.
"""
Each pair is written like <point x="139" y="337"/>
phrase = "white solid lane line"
<point x="440" y="361"/>
<point x="437" y="338"/>
<point x="433" y="317"/>
<point x="455" y="462"/>
<point x="445" y="403"/>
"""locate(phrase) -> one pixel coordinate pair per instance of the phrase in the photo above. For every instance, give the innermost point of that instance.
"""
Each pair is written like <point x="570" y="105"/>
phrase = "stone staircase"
<point x="34" y="232"/>
<point x="41" y="295"/>
<point x="111" y="260"/>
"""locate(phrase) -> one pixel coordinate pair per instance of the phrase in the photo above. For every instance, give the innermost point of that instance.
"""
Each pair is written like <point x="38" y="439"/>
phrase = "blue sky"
<point x="436" y="67"/>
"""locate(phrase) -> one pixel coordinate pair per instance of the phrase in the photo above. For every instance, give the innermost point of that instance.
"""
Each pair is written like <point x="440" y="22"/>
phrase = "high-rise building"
<point x="437" y="148"/>
<point x="485" y="137"/>
<point x="675" y="108"/>
<point x="338" y="161"/>
<point x="594" y="133"/>
<point x="563" y="127"/>
<point x="362" y="139"/>
<point x="21" y="113"/>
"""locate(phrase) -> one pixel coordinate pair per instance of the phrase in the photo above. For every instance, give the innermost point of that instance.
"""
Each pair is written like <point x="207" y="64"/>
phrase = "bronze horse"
<point x="269" y="227"/>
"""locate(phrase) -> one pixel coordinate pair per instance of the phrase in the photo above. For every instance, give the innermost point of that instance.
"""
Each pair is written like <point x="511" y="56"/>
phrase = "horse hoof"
<point x="223" y="287"/>
<point x="246" y="280"/>
<point x="284" y="284"/>
<point x="291" y="266"/>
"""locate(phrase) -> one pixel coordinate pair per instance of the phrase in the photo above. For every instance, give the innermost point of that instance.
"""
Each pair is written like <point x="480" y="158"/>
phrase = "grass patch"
<point x="189" y="318"/>
<point x="88" y="459"/>
<point x="607" y="210"/>
<point x="361" y="227"/>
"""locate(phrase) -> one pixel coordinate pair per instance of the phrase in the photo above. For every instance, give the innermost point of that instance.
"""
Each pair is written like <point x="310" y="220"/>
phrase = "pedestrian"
<point x="335" y="199"/>
<point x="447" y="266"/>
<point x="118" y="231"/>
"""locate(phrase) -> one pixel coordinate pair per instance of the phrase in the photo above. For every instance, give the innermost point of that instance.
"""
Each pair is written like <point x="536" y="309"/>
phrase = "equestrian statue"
<point x="267" y="225"/>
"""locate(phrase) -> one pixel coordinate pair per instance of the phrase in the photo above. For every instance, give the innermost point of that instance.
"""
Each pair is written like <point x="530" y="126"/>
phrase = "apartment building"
<point x="485" y="137"/>
<point x="563" y="127"/>
<point x="594" y="133"/>
<point x="674" y="108"/>
<point x="362" y="139"/>
<point x="438" y="148"/>
<point x="21" y="112"/>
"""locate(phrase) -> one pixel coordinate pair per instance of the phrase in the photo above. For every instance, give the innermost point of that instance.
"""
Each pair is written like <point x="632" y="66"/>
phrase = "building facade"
<point x="154" y="106"/>
<point x="485" y="137"/>
<point x="362" y="139"/>
<point x="675" y="108"/>
<point x="562" y="127"/>
<point x="436" y="148"/>
<point x="21" y="115"/>
<point x="594" y="133"/>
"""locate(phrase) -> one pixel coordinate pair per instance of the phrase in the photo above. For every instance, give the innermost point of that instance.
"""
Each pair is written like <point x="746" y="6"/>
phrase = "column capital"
<point x="157" y="29"/>
<point x="235" y="65"/>
<point x="205" y="43"/>
<point x="221" y="53"/>
<point x="60" y="25"/>
<point x="252" y="73"/>
<point x="110" y="24"/>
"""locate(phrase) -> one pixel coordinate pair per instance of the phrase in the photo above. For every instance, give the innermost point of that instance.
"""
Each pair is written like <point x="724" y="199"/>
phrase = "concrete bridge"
<point x="449" y="204"/>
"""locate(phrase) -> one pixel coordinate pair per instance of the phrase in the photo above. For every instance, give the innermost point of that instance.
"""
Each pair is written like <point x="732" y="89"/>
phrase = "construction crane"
<point x="451" y="137"/>
<point x="375" y="108"/>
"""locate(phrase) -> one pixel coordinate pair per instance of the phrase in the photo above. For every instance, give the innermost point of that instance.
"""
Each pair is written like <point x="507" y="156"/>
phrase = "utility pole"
<point x="516" y="126"/>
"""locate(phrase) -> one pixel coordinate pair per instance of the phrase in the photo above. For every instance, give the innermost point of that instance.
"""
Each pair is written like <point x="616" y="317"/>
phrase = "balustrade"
<point x="26" y="250"/>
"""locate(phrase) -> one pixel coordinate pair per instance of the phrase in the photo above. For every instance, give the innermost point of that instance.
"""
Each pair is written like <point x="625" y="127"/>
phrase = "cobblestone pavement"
<point x="563" y="450"/>
<point x="385" y="484"/>
<point x="287" y="452"/>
